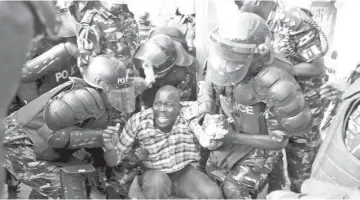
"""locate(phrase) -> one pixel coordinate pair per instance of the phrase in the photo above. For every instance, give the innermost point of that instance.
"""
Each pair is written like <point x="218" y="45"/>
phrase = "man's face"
<point x="166" y="108"/>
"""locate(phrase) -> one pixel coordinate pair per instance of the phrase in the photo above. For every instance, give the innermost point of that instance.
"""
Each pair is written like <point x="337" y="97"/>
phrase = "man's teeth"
<point x="162" y="118"/>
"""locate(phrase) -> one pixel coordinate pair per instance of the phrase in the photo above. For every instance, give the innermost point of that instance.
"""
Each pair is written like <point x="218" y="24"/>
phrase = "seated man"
<point x="163" y="131"/>
<point x="336" y="171"/>
<point x="163" y="60"/>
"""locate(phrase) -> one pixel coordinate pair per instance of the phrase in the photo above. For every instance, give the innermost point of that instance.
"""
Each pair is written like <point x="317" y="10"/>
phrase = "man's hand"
<point x="206" y="138"/>
<point x="111" y="137"/>
<point x="333" y="90"/>
<point x="226" y="137"/>
<point x="141" y="154"/>
<point x="220" y="121"/>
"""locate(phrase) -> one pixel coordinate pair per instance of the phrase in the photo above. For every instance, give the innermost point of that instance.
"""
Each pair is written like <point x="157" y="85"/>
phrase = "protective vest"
<point x="334" y="162"/>
<point x="248" y="118"/>
<point x="30" y="118"/>
<point x="59" y="75"/>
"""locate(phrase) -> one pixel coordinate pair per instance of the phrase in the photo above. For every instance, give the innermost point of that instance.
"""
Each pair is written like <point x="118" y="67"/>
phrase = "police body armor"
<point x="53" y="67"/>
<point x="301" y="40"/>
<point x="246" y="109"/>
<point x="32" y="119"/>
<point x="144" y="31"/>
<point x="334" y="163"/>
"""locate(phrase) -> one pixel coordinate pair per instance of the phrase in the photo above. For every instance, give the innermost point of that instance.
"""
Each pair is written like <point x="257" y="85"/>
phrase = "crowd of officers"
<point x="112" y="104"/>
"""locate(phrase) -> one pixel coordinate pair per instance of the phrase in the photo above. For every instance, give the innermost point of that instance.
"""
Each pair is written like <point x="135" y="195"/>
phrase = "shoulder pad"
<point x="281" y="62"/>
<point x="271" y="76"/>
<point x="73" y="107"/>
<point x="88" y="17"/>
<point x="282" y="58"/>
<point x="280" y="91"/>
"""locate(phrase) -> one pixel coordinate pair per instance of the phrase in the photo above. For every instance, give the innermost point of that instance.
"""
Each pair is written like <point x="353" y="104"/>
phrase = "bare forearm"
<point x="259" y="141"/>
<point x="309" y="70"/>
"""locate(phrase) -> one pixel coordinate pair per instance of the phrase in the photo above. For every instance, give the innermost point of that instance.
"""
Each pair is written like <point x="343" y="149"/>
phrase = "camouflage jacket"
<point x="186" y="24"/>
<point x="104" y="33"/>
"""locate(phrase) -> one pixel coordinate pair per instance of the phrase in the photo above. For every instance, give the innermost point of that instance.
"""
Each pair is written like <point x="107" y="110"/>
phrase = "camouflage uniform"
<point x="104" y="33"/>
<point x="144" y="31"/>
<point x="301" y="151"/>
<point x="187" y="26"/>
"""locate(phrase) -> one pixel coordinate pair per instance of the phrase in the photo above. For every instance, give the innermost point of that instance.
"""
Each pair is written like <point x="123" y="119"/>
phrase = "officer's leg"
<point x="250" y="174"/>
<point x="276" y="178"/>
<point x="233" y="190"/>
<point x="21" y="162"/>
<point x="39" y="175"/>
<point x="300" y="157"/>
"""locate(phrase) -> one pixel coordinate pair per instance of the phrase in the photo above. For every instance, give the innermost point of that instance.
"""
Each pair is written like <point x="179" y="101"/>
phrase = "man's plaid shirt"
<point x="168" y="152"/>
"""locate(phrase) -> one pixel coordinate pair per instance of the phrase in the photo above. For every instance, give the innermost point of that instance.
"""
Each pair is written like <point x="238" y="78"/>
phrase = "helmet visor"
<point x="121" y="96"/>
<point x="228" y="65"/>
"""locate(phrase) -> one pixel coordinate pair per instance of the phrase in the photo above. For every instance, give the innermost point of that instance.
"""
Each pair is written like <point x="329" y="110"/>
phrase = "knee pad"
<point x="72" y="186"/>
<point x="233" y="190"/>
<point x="72" y="180"/>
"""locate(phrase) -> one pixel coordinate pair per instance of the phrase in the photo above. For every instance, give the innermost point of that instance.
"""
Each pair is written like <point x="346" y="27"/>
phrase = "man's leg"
<point x="194" y="184"/>
<point x="300" y="157"/>
<point x="155" y="185"/>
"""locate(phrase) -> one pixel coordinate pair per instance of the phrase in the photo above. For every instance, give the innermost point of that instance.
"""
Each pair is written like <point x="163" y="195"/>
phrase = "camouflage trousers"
<point x="300" y="155"/>
<point x="247" y="177"/>
<point x="20" y="161"/>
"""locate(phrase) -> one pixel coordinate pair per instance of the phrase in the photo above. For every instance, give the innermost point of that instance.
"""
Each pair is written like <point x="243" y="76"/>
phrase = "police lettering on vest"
<point x="237" y="106"/>
<point x="63" y="75"/>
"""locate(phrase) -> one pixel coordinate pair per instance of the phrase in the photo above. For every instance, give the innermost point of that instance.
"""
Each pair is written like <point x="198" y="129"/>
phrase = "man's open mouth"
<point x="162" y="119"/>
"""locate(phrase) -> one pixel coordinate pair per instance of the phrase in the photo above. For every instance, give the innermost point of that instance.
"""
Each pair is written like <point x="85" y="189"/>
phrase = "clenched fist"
<point x="111" y="137"/>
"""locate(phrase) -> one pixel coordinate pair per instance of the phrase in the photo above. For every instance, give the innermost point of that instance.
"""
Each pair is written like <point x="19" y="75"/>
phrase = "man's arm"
<point x="260" y="141"/>
<point x="267" y="142"/>
<point x="309" y="70"/>
<point x="123" y="143"/>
